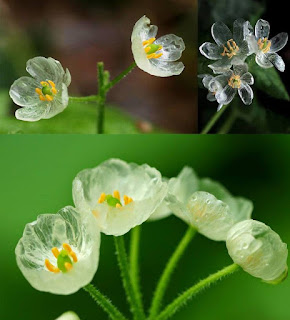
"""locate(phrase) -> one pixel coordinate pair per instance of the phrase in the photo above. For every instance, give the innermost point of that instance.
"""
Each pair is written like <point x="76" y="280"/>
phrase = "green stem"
<point x="165" y="277"/>
<point x="120" y="77"/>
<point x="214" y="119"/>
<point x="104" y="302"/>
<point x="181" y="300"/>
<point x="225" y="128"/>
<point x="134" y="257"/>
<point x="132" y="296"/>
<point x="85" y="99"/>
<point x="102" y="98"/>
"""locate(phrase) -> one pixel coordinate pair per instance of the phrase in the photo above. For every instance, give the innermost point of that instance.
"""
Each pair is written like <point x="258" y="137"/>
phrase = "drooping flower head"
<point x="119" y="195"/>
<point x="229" y="49"/>
<point x="45" y="94"/>
<point x="156" y="56"/>
<point x="69" y="315"/>
<point x="258" y="250"/>
<point x="236" y="81"/>
<point x="265" y="48"/>
<point x="59" y="253"/>
<point x="214" y="87"/>
<point x="205" y="204"/>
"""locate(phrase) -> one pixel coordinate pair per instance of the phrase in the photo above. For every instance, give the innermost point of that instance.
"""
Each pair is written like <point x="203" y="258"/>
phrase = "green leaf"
<point x="78" y="117"/>
<point x="268" y="80"/>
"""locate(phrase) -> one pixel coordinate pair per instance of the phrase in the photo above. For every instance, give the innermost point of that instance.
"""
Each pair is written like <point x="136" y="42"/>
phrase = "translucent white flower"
<point x="258" y="250"/>
<point x="45" y="94"/>
<point x="214" y="87"/>
<point x="233" y="82"/>
<point x="265" y="48"/>
<point x="185" y="202"/>
<point x="230" y="48"/>
<point x="119" y="195"/>
<point x="69" y="315"/>
<point x="59" y="253"/>
<point x="156" y="57"/>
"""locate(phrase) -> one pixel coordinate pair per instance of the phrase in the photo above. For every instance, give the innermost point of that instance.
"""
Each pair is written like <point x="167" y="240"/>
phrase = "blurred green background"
<point x="79" y="33"/>
<point x="36" y="177"/>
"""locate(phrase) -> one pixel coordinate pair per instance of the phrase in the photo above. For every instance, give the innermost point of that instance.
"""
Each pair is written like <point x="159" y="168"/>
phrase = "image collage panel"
<point x="144" y="160"/>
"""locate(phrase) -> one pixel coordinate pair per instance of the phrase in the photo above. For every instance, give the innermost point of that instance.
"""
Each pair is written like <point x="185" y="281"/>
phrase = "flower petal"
<point x="246" y="93"/>
<point x="262" y="61"/>
<point x="165" y="68"/>
<point x="278" y="42"/>
<point x="143" y="30"/>
<point x="221" y="33"/>
<point x="226" y="95"/>
<point x="206" y="78"/>
<point x="248" y="78"/>
<point x="172" y="47"/>
<point x="211" y="96"/>
<point x="32" y="114"/>
<point x="240" y="69"/>
<point x="221" y="66"/>
<point x="262" y="29"/>
<point x="211" y="51"/>
<point x="239" y="30"/>
<point x="276" y="60"/>
<point x="22" y="92"/>
<point x="68" y="316"/>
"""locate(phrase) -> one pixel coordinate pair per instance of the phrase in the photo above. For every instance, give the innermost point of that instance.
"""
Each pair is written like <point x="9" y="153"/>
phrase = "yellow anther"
<point x="54" y="91"/>
<point x="42" y="98"/>
<point x="264" y="45"/>
<point x="102" y="198"/>
<point x="118" y="205"/>
<point x="38" y="91"/>
<point x="51" y="83"/>
<point x="151" y="56"/>
<point x="158" y="55"/>
<point x="235" y="81"/>
<point x="68" y="248"/>
<point x="149" y="41"/>
<point x="48" y="97"/>
<point x="51" y="267"/>
<point x="130" y="200"/>
<point x="74" y="256"/>
<point x="147" y="49"/>
<point x="68" y="266"/>
<point x="95" y="213"/>
<point x="55" y="252"/>
<point x="231" y="49"/>
<point x="116" y="194"/>
<point x="44" y="83"/>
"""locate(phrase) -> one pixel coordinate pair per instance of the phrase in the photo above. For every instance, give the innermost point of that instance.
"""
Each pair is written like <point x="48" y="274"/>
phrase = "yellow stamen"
<point x="48" y="97"/>
<point x="102" y="198"/>
<point x="44" y="83"/>
<point x="38" y="91"/>
<point x="68" y="248"/>
<point x="235" y="81"/>
<point x="68" y="266"/>
<point x="42" y="98"/>
<point x="55" y="252"/>
<point x="147" y="49"/>
<point x="118" y="205"/>
<point x="116" y="194"/>
<point x="149" y="41"/>
<point x="261" y="45"/>
<point x="51" y="267"/>
<point x="51" y="83"/>
<point x="231" y="49"/>
<point x="151" y="56"/>
<point x="54" y="91"/>
<point x="158" y="55"/>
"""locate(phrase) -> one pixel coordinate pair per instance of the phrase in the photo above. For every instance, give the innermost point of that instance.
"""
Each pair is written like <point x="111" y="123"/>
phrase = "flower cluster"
<point x="230" y="53"/>
<point x="46" y="94"/>
<point x="59" y="253"/>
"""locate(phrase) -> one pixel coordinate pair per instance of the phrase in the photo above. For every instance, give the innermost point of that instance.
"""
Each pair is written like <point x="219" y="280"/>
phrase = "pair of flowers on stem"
<point x="231" y="50"/>
<point x="59" y="253"/>
<point x="46" y="94"/>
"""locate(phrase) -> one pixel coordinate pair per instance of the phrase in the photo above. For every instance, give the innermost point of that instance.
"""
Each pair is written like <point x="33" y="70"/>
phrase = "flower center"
<point x="235" y="81"/>
<point x="264" y="44"/>
<point x="114" y="200"/>
<point x="65" y="259"/>
<point x="150" y="49"/>
<point x="47" y="92"/>
<point x="231" y="49"/>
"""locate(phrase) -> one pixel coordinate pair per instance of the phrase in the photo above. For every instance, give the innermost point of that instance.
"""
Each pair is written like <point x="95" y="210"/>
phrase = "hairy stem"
<point x="214" y="119"/>
<point x="85" y="99"/>
<point x="132" y="296"/>
<point x="181" y="300"/>
<point x="166" y="275"/>
<point x="104" y="302"/>
<point x="102" y="98"/>
<point x="134" y="263"/>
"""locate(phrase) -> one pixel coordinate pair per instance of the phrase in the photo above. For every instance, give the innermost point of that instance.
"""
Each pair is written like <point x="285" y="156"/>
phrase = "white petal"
<point x="246" y="93"/>
<point x="32" y="114"/>
<point x="239" y="30"/>
<point x="143" y="30"/>
<point x="67" y="78"/>
<point x="262" y="61"/>
<point x="142" y="183"/>
<point x="278" y="42"/>
<point x="22" y="92"/>
<point x="206" y="78"/>
<point x="211" y="97"/>
<point x="276" y="61"/>
<point x="210" y="216"/>
<point x="240" y="69"/>
<point x="221" y="33"/>
<point x="53" y="230"/>
<point x="248" y="78"/>
<point x="262" y="29"/>
<point x="258" y="250"/>
<point x="172" y="47"/>
<point x="226" y="95"/>
<point x="252" y="44"/>
<point x="211" y="51"/>
<point x="221" y="66"/>
<point x="68" y="316"/>
<point x="161" y="68"/>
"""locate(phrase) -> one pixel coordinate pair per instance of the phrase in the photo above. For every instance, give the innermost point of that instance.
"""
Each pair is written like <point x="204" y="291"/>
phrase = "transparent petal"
<point x="248" y="78"/>
<point x="248" y="29"/>
<point x="220" y="81"/>
<point x="67" y="78"/>
<point x="239" y="30"/>
<point x="172" y="47"/>
<point x="165" y="68"/>
<point x="211" y="97"/>
<point x="22" y="92"/>
<point x="243" y="52"/>
<point x="278" y="42"/>
<point x="221" y="33"/>
<point x="262" y="29"/>
<point x="32" y="114"/>
<point x="262" y="61"/>
<point x="143" y="30"/>
<point x="211" y="51"/>
<point x="142" y="183"/>
<point x="53" y="230"/>
<point x="68" y="316"/>
<point x="226" y="95"/>
<point x="276" y="60"/>
<point x="206" y="78"/>
<point x="221" y="66"/>
<point x="240" y="69"/>
<point x="210" y="216"/>
<point x="246" y="93"/>
<point x="252" y="44"/>
<point x="257" y="249"/>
